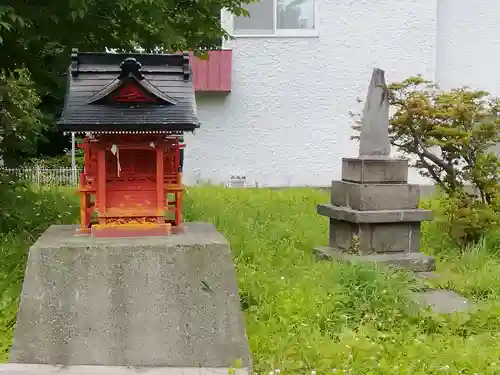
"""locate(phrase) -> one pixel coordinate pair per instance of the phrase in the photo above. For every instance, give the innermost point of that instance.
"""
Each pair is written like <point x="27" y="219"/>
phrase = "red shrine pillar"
<point x="84" y="196"/>
<point x="160" y="189"/>
<point x="101" y="185"/>
<point x="178" y="194"/>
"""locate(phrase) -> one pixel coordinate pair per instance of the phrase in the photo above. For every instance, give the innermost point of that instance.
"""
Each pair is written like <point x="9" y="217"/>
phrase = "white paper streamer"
<point x="116" y="151"/>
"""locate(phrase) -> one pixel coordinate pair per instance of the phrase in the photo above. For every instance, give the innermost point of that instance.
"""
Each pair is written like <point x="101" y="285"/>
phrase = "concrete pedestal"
<point x="154" y="301"/>
<point x="22" y="369"/>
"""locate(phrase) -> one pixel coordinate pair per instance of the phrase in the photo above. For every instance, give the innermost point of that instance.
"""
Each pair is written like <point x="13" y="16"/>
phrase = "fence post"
<point x="38" y="175"/>
<point x="73" y="159"/>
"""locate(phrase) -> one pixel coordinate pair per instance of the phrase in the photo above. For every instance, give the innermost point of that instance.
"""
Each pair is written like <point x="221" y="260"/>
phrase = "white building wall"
<point x="468" y="44"/>
<point x="286" y="121"/>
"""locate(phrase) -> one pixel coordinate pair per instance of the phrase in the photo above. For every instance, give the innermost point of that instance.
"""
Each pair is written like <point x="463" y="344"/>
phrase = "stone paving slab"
<point x="28" y="369"/>
<point x="445" y="301"/>
<point x="442" y="301"/>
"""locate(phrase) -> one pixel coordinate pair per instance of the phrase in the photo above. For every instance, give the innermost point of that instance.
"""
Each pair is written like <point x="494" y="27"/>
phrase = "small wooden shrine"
<point x="132" y="110"/>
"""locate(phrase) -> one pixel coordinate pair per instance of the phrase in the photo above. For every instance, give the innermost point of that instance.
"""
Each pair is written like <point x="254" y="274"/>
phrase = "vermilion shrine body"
<point x="132" y="110"/>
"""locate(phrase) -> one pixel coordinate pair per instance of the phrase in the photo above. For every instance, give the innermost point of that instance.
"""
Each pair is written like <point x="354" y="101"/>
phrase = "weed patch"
<point x="303" y="315"/>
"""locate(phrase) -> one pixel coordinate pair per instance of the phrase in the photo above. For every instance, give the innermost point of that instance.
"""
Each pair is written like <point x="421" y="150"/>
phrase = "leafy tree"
<point x="38" y="36"/>
<point x="19" y="114"/>
<point x="451" y="135"/>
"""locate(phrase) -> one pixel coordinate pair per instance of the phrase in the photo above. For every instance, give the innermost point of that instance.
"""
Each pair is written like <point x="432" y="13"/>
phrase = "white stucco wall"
<point x="468" y="44"/>
<point x="286" y="121"/>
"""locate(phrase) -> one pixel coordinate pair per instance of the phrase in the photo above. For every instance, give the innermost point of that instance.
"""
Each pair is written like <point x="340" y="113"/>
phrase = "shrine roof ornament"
<point x="131" y="87"/>
<point x="129" y="92"/>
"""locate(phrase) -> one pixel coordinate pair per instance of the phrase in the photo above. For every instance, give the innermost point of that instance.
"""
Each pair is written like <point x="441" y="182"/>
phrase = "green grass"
<point x="302" y="315"/>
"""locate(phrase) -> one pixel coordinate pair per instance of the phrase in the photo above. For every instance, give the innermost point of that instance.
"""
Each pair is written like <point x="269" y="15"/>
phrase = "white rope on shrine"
<point x="116" y="151"/>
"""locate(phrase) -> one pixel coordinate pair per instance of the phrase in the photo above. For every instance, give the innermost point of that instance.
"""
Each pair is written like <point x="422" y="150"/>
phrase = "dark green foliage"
<point x="39" y="35"/>
<point x="20" y="124"/>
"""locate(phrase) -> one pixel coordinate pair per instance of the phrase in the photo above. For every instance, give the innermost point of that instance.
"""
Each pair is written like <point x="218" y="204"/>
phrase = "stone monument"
<point x="373" y="211"/>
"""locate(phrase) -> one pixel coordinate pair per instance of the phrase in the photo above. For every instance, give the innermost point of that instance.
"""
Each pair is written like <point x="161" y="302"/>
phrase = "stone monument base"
<point x="167" y="301"/>
<point x="416" y="262"/>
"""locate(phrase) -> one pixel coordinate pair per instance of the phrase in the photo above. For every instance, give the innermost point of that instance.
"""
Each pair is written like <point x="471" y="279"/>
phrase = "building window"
<point x="278" y="18"/>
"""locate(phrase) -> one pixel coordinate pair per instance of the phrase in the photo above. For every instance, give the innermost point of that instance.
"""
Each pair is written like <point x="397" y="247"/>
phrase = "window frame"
<point x="282" y="33"/>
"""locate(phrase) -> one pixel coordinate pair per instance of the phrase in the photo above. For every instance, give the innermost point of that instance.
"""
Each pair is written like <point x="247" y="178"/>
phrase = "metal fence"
<point x="46" y="176"/>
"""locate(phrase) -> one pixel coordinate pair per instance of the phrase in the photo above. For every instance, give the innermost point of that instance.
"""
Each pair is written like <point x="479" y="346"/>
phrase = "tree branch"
<point x="436" y="160"/>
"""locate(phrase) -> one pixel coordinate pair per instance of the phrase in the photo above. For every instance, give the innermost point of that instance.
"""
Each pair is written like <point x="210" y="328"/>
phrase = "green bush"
<point x="467" y="219"/>
<point x="28" y="209"/>
<point x="20" y="124"/>
<point x="61" y="161"/>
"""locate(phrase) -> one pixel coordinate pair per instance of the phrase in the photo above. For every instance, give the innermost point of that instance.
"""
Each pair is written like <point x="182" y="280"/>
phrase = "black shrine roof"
<point x="129" y="92"/>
